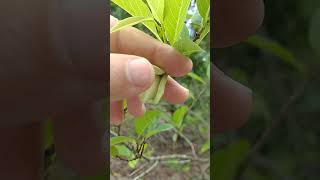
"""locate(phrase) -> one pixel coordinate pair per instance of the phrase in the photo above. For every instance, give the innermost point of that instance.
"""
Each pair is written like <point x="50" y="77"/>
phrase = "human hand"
<point x="233" y="22"/>
<point x="131" y="72"/>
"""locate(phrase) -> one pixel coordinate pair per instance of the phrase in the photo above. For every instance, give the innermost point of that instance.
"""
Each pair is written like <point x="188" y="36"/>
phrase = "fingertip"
<point x="177" y="65"/>
<point x="140" y="72"/>
<point x="175" y="93"/>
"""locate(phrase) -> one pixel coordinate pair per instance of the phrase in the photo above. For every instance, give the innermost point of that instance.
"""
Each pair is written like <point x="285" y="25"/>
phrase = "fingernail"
<point x="140" y="72"/>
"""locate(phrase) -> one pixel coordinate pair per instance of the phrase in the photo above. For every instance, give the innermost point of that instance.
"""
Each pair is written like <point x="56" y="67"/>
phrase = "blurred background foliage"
<point x="195" y="124"/>
<point x="281" y="64"/>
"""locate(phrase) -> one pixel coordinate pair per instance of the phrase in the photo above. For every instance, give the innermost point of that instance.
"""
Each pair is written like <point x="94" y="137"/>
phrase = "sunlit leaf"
<point x="130" y="21"/>
<point x="138" y="8"/>
<point x="203" y="7"/>
<point x="157" y="9"/>
<point x="175" y="12"/>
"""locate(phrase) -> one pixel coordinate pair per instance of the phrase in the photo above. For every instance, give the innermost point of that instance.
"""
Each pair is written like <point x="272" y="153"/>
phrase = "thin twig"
<point x="139" y="169"/>
<point x="188" y="141"/>
<point x="177" y="156"/>
<point x="147" y="171"/>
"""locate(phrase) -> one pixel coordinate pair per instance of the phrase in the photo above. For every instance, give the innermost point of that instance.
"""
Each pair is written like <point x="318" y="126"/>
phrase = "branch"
<point x="188" y="141"/>
<point x="177" y="156"/>
<point x="147" y="171"/>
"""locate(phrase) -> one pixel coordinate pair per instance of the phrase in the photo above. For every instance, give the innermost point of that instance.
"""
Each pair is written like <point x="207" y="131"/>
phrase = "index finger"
<point x="134" y="42"/>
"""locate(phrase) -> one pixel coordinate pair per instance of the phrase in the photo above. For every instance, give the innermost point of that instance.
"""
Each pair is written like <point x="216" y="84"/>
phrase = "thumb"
<point x="129" y="76"/>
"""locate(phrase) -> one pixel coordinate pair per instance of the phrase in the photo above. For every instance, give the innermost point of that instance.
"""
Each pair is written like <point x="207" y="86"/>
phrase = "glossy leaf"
<point x="161" y="128"/>
<point x="128" y="22"/>
<point x="175" y="12"/>
<point x="138" y="8"/>
<point x="157" y="9"/>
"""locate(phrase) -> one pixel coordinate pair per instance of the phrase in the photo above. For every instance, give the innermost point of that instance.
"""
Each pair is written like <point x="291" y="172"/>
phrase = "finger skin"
<point x="116" y="112"/>
<point x="175" y="93"/>
<point x="121" y="85"/>
<point x="231" y="102"/>
<point x="78" y="136"/>
<point x="21" y="154"/>
<point x="136" y="107"/>
<point x="135" y="42"/>
<point x="235" y="20"/>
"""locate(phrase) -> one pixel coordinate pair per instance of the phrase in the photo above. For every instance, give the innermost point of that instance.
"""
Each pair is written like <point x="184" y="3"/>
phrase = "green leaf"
<point x="128" y="22"/>
<point x="209" y="71"/>
<point x="161" y="88"/>
<point x="205" y="147"/>
<point x="143" y="122"/>
<point x="138" y="8"/>
<point x="178" y="116"/>
<point x="187" y="47"/>
<point x="275" y="49"/>
<point x="204" y="33"/>
<point x="155" y="92"/>
<point x="196" y="77"/>
<point x="148" y="95"/>
<point x="157" y="9"/>
<point x="123" y="151"/>
<point x="196" y="19"/>
<point x="133" y="164"/>
<point x="113" y="151"/>
<point x="161" y="128"/>
<point x="203" y="7"/>
<point x="175" y="12"/>
<point x="121" y="139"/>
<point x="184" y="32"/>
